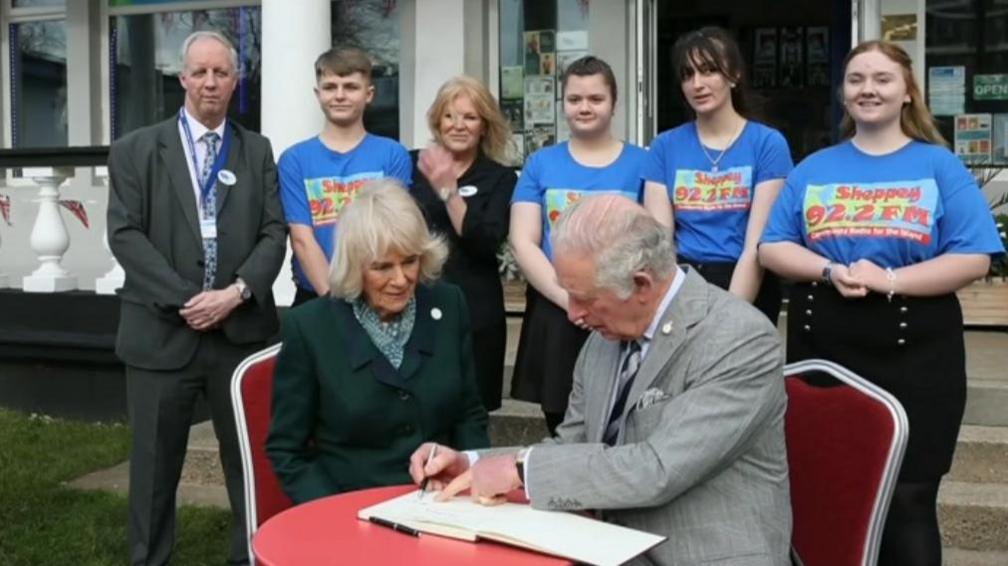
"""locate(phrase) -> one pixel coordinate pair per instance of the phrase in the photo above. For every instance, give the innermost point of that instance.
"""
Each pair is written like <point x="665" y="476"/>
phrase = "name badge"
<point x="226" y="177"/>
<point x="208" y="229"/>
<point x="468" y="190"/>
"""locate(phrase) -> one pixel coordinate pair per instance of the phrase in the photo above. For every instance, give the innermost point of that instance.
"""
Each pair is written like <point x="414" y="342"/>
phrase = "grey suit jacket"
<point x="704" y="462"/>
<point x="154" y="233"/>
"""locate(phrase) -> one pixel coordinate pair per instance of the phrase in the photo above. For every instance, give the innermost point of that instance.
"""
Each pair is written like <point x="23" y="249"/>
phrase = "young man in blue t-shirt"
<point x="321" y="175"/>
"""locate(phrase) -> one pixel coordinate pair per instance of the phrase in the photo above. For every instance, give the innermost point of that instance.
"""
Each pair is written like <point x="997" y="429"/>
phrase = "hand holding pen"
<point x="434" y="465"/>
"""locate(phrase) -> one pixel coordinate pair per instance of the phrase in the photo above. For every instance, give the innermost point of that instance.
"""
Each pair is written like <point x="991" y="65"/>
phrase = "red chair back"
<point x="845" y="446"/>
<point x="252" y="399"/>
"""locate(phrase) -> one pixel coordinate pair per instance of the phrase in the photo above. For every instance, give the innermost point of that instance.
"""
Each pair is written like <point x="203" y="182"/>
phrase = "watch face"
<point x="246" y="293"/>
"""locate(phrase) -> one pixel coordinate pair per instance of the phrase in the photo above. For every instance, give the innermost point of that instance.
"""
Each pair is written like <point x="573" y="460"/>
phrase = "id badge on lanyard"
<point x="207" y="220"/>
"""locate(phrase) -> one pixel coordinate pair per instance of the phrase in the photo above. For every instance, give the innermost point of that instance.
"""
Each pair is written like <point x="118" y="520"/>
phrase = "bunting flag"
<point x="77" y="208"/>
<point x="5" y="208"/>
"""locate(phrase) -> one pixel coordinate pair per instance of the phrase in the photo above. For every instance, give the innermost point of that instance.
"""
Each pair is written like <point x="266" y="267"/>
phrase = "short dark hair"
<point x="587" y="66"/>
<point x="343" y="61"/>
<point x="714" y="48"/>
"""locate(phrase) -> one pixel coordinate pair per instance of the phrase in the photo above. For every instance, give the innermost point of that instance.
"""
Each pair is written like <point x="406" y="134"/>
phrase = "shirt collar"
<point x="198" y="130"/>
<point x="677" y="283"/>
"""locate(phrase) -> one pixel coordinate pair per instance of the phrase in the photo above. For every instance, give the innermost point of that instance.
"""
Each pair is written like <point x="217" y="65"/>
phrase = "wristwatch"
<point x="244" y="293"/>
<point x="520" y="464"/>
<point x="827" y="273"/>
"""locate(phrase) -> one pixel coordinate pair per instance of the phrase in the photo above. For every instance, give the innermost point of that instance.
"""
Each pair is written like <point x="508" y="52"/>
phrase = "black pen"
<point x="394" y="526"/>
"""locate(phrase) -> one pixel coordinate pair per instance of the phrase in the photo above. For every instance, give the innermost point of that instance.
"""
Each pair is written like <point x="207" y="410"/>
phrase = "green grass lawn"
<point x="43" y="522"/>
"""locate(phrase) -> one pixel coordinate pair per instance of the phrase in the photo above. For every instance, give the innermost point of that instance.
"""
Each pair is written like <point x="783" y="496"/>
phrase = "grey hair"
<point x="382" y="218"/>
<point x="208" y="34"/>
<point x="621" y="236"/>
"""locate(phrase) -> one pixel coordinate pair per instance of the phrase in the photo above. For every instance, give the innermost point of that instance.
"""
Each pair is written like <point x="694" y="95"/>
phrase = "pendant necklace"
<point x="714" y="161"/>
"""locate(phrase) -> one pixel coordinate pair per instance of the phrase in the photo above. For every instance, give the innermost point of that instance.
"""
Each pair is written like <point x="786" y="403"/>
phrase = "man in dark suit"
<point x="195" y="220"/>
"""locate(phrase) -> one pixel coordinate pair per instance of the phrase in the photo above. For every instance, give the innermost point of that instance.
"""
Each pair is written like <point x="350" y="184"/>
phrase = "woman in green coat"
<point x="381" y="365"/>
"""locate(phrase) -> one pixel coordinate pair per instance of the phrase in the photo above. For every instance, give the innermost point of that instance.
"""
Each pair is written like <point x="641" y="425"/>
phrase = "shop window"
<point x="966" y="57"/>
<point x="145" y="64"/>
<point x="38" y="83"/>
<point x="537" y="40"/>
<point x="373" y="26"/>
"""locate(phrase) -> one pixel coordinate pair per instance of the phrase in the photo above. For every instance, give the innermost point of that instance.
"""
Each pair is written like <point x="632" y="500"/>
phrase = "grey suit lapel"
<point x="686" y="309"/>
<point x="174" y="159"/>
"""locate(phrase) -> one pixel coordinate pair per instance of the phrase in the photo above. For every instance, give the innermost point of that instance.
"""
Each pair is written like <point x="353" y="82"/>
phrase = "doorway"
<point x="793" y="51"/>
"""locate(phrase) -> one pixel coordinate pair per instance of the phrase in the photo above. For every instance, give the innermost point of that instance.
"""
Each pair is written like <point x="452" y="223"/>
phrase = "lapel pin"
<point x="226" y="177"/>
<point x="435" y="313"/>
<point x="666" y="328"/>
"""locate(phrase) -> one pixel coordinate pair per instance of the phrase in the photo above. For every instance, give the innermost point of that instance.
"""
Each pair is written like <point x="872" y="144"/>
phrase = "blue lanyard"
<point x="222" y="157"/>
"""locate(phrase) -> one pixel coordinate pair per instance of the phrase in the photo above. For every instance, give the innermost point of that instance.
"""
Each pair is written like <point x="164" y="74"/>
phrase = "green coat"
<point x="344" y="418"/>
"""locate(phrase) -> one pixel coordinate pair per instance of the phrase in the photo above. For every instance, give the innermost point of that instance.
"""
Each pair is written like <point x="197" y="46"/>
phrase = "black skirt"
<point x="912" y="347"/>
<point x="768" y="298"/>
<point x="547" y="350"/>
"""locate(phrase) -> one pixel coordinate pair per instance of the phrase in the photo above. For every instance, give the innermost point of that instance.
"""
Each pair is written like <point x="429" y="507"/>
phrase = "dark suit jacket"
<point x="472" y="263"/>
<point x="344" y="418"/>
<point x="154" y="233"/>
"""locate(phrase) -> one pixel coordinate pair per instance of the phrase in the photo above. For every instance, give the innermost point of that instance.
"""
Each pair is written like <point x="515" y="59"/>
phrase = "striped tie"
<point x="209" y="208"/>
<point x="628" y="370"/>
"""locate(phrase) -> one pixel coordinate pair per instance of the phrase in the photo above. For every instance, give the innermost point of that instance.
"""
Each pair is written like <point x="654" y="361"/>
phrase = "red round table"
<point x="327" y="531"/>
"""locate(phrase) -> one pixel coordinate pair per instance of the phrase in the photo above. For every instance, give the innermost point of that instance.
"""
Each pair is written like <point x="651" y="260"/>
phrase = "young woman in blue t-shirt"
<point x="878" y="232"/>
<point x="715" y="179"/>
<point x="593" y="161"/>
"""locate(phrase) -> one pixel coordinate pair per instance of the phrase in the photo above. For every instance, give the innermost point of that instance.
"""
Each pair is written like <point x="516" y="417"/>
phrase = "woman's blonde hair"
<point x="916" y="120"/>
<point x="496" y="129"/>
<point x="382" y="218"/>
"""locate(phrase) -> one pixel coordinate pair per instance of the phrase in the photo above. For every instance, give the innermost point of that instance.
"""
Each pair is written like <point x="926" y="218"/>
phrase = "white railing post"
<point x="49" y="237"/>
<point x="108" y="283"/>
<point x="3" y="276"/>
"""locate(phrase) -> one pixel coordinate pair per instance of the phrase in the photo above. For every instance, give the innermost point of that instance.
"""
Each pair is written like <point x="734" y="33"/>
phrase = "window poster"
<point x="947" y="90"/>
<point x="973" y="137"/>
<point x="512" y="82"/>
<point x="565" y="58"/>
<point x="791" y="59"/>
<point x="539" y="137"/>
<point x="765" y="58"/>
<point x="817" y="55"/>
<point x="540" y="52"/>
<point x="514" y="111"/>
<point x="1000" y="141"/>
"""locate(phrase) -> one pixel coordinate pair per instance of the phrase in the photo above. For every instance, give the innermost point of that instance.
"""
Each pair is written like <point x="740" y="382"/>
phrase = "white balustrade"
<point x="49" y="237"/>
<point x="108" y="283"/>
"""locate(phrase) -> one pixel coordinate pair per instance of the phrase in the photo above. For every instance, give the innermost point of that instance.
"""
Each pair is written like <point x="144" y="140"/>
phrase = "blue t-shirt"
<point x="552" y="179"/>
<point x="897" y="209"/>
<point x="712" y="206"/>
<point x="317" y="182"/>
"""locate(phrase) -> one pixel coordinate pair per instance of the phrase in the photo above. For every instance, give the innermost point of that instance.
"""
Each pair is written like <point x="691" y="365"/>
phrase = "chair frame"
<point x="897" y="445"/>
<point x="245" y="443"/>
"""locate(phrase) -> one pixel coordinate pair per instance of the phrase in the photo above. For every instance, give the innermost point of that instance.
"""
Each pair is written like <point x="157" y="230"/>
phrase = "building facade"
<point x="85" y="72"/>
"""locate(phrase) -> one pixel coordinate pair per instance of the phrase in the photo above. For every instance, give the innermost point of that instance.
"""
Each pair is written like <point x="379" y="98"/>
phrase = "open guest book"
<point x="563" y="534"/>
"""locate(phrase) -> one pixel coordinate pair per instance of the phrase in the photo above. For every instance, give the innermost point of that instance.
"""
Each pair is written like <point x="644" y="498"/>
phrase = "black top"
<point x="472" y="262"/>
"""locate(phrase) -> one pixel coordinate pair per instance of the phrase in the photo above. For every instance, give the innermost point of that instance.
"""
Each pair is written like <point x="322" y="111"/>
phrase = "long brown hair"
<point x="496" y="130"/>
<point x="916" y="120"/>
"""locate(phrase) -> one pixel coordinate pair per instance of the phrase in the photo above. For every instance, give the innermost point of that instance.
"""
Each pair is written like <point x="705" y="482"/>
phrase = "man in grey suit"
<point x="676" y="418"/>
<point x="194" y="218"/>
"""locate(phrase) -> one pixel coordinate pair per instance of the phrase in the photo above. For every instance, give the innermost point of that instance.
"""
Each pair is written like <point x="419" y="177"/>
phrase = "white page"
<point x="554" y="532"/>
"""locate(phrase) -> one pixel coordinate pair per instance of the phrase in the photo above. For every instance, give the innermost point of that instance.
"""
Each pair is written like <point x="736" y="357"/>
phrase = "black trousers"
<point x="160" y="413"/>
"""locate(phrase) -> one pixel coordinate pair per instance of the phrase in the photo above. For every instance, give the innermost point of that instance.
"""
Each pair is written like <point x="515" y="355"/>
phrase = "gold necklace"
<point x="714" y="162"/>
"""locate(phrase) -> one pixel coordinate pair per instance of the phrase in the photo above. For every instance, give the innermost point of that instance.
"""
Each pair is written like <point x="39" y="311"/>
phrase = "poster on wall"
<point x="791" y="60"/>
<point x="1000" y="142"/>
<point x="539" y="109"/>
<point x="764" y="58"/>
<point x="565" y="58"/>
<point x="817" y="55"/>
<point x="576" y="40"/>
<point x="899" y="27"/>
<point x="538" y="138"/>
<point x="947" y="90"/>
<point x="512" y="82"/>
<point x="973" y="137"/>
<point x="514" y="111"/>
